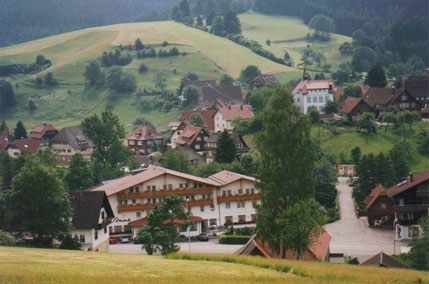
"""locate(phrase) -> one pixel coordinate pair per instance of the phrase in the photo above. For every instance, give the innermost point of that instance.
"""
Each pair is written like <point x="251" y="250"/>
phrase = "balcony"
<point x="166" y="192"/>
<point x="238" y="197"/>
<point x="150" y="206"/>
<point x="412" y="208"/>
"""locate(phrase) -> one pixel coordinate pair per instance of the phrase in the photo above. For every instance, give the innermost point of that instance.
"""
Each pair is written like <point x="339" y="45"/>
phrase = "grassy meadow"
<point x="71" y="100"/>
<point x="24" y="265"/>
<point x="289" y="34"/>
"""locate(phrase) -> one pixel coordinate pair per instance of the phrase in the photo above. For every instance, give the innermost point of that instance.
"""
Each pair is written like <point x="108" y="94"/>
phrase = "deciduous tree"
<point x="79" y="175"/>
<point x="177" y="160"/>
<point x="376" y="77"/>
<point x="196" y="119"/>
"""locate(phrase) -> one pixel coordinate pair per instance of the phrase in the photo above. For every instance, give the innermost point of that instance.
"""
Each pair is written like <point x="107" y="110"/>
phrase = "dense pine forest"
<point x="24" y="20"/>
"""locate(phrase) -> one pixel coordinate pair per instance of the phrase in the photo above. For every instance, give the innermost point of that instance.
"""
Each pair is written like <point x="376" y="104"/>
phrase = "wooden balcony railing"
<point x="166" y="192"/>
<point x="238" y="197"/>
<point x="150" y="206"/>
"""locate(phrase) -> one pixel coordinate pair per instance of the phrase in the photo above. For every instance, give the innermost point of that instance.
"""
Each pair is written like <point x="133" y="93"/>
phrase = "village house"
<point x="16" y="147"/>
<point x="380" y="99"/>
<point x="91" y="217"/>
<point x="318" y="251"/>
<point x="145" y="140"/>
<point x="197" y="84"/>
<point x="418" y="87"/>
<point x="379" y="208"/>
<point x="411" y="203"/>
<point x="207" y="115"/>
<point x="190" y="136"/>
<point x="240" y="145"/>
<point x="43" y="133"/>
<point x="217" y="97"/>
<point x="383" y="260"/>
<point x="225" y="116"/>
<point x="263" y="80"/>
<point x="313" y="93"/>
<point x="69" y="141"/>
<point x="354" y="107"/>
<point x="347" y="170"/>
<point x="223" y="198"/>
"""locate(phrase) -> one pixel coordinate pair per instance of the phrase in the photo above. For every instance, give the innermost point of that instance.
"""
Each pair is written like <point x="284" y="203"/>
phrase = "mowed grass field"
<point x="71" y="100"/>
<point x="289" y="34"/>
<point x="24" y="265"/>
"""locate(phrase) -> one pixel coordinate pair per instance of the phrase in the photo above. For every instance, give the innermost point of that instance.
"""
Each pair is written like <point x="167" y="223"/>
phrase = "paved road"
<point x="352" y="236"/>
<point x="210" y="247"/>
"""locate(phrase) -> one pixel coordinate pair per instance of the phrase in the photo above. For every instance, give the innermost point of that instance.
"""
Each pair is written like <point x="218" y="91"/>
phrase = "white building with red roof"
<point x="313" y="93"/>
<point x="224" y="116"/>
<point x="223" y="198"/>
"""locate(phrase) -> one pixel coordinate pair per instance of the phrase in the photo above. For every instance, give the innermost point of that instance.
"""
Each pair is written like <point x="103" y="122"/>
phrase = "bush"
<point x="6" y="239"/>
<point x="143" y="68"/>
<point x="233" y="240"/>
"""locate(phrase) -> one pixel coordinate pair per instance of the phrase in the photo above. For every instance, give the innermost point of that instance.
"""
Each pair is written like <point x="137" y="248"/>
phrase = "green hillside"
<point x="289" y="34"/>
<point x="207" y="55"/>
<point x="24" y="265"/>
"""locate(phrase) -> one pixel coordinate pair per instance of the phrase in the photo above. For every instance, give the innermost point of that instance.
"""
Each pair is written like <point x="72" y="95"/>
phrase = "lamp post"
<point x="188" y="229"/>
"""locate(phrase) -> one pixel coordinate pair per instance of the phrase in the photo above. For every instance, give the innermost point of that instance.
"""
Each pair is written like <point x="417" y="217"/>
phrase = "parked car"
<point x="203" y="237"/>
<point x="125" y="240"/>
<point x="112" y="240"/>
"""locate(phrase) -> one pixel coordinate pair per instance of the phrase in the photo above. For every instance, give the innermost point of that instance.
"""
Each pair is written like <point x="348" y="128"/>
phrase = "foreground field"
<point x="22" y="265"/>
<point x="67" y="103"/>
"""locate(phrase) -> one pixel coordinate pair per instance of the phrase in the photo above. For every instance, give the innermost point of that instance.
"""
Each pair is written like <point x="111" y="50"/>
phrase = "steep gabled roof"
<point x="145" y="132"/>
<point x="74" y="136"/>
<point x="370" y="199"/>
<point x="208" y="117"/>
<point x="39" y="131"/>
<point x="188" y="135"/>
<point x="22" y="144"/>
<point x="417" y="85"/>
<point x="407" y="184"/>
<point x="224" y="94"/>
<point x="227" y="177"/>
<point x="86" y="207"/>
<point x="128" y="181"/>
<point x="380" y="96"/>
<point x="349" y="104"/>
<point x="384" y="260"/>
<point x="306" y="85"/>
<point x="232" y="111"/>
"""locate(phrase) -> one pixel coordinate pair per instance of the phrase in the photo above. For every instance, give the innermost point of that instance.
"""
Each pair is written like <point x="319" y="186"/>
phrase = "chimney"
<point x="411" y="177"/>
<point x="393" y="90"/>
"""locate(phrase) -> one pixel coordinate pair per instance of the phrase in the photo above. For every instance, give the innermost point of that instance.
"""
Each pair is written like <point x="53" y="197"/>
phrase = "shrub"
<point x="143" y="68"/>
<point x="6" y="239"/>
<point x="233" y="240"/>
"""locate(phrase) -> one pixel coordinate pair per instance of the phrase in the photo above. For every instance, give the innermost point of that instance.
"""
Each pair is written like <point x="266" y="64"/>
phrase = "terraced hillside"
<point x="67" y="103"/>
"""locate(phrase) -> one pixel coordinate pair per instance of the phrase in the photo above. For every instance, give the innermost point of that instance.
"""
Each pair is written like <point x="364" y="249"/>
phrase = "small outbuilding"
<point x="383" y="260"/>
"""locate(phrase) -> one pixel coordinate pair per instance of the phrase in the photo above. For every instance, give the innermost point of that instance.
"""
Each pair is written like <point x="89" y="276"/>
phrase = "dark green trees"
<point x="37" y="202"/>
<point x="7" y="96"/>
<point x="225" y="148"/>
<point x="79" y="175"/>
<point x="162" y="229"/>
<point x="19" y="132"/>
<point x="231" y="23"/>
<point x="93" y="74"/>
<point x="322" y="25"/>
<point x="376" y="77"/>
<point x="286" y="175"/>
<point x="176" y="159"/>
<point x="249" y="73"/>
<point x="196" y="119"/>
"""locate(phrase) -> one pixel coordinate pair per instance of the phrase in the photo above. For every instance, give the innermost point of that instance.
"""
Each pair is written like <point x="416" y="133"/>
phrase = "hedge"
<point x="233" y="240"/>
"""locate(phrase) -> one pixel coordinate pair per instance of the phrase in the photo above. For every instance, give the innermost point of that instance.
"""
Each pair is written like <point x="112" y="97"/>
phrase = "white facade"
<point x="407" y="232"/>
<point x="221" y="123"/>
<point x="92" y="239"/>
<point x="314" y="97"/>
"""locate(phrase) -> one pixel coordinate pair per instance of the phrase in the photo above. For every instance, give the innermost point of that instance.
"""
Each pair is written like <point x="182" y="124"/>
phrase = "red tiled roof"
<point x="22" y="144"/>
<point x="233" y="111"/>
<point x="306" y="85"/>
<point x="128" y="181"/>
<point x="379" y="190"/>
<point x="407" y="184"/>
<point x="190" y="132"/>
<point x="208" y="117"/>
<point x="227" y="177"/>
<point x="40" y="130"/>
<point x="145" y="132"/>
<point x="349" y="104"/>
<point x="143" y="221"/>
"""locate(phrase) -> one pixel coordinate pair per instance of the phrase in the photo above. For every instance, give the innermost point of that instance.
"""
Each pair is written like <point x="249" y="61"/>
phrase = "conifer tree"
<point x="225" y="148"/>
<point x="20" y="132"/>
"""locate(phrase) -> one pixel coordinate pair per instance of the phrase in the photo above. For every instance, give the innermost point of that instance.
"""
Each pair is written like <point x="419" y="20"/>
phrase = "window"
<point x="197" y="147"/>
<point x="247" y="190"/>
<point x="110" y="230"/>
<point x="227" y="205"/>
<point x="321" y="108"/>
<point x="192" y="197"/>
<point x="213" y="222"/>
<point x="153" y="200"/>
<point x="241" y="204"/>
<point x="105" y="230"/>
<point x="229" y="193"/>
<point x="153" y="187"/>
<point x="170" y="186"/>
<point x="201" y="208"/>
<point x="401" y="201"/>
<point x="96" y="235"/>
<point x="405" y="216"/>
<point x="383" y="205"/>
<point x="309" y="100"/>
<point x="223" y="193"/>
<point x="204" y="196"/>
<point x="82" y="239"/>
<point x="209" y="195"/>
<point x="131" y="189"/>
<point x="134" y="201"/>
<point x="131" y="142"/>
<point x="180" y="185"/>
<point x="148" y="200"/>
<point x="228" y="219"/>
<point x="413" y="231"/>
<point x="102" y="215"/>
<point x="164" y="186"/>
<point x="321" y="99"/>
<point x="211" y="207"/>
<point x="241" y="218"/>
<point x="403" y="97"/>
<point x="314" y="99"/>
<point x="195" y="185"/>
<point x="138" y="214"/>
<point x="199" y="139"/>
<point x="240" y="191"/>
<point x="252" y="190"/>
<point x="136" y="189"/>
<point x="326" y="99"/>
<point x="186" y="185"/>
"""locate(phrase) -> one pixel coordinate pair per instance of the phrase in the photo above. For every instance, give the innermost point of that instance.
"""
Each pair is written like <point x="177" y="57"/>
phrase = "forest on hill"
<point x="23" y="20"/>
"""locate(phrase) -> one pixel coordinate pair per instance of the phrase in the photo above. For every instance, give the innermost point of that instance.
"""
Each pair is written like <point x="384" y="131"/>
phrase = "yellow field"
<point x="22" y="265"/>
